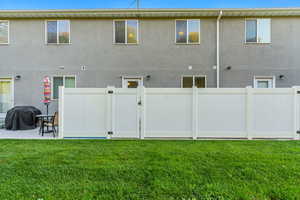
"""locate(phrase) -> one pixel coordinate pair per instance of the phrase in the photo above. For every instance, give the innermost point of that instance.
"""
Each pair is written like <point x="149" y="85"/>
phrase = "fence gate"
<point x="124" y="117"/>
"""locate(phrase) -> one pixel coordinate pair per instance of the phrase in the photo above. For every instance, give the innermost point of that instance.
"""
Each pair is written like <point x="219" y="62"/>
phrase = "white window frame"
<point x="12" y="80"/>
<point x="264" y="78"/>
<point x="187" y="31"/>
<point x="138" y="78"/>
<point x="64" y="78"/>
<point x="137" y="31"/>
<point x="202" y="76"/>
<point x="57" y="27"/>
<point x="8" y="32"/>
<point x="256" y="19"/>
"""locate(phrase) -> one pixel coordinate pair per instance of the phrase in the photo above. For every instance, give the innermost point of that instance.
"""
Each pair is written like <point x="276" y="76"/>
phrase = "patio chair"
<point x="53" y="123"/>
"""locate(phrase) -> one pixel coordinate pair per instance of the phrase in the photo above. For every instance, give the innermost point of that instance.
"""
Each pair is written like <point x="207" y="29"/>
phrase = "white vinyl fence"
<point x="179" y="113"/>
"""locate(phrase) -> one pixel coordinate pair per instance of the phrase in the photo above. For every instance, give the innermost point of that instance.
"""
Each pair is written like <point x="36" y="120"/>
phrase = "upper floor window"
<point x="258" y="31"/>
<point x="188" y="31"/>
<point x="58" y="31"/>
<point x="126" y="31"/>
<point x="4" y="32"/>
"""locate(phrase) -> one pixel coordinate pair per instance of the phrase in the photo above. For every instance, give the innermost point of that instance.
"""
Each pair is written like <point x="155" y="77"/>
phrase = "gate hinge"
<point x="140" y="103"/>
<point x="110" y="92"/>
<point x="298" y="132"/>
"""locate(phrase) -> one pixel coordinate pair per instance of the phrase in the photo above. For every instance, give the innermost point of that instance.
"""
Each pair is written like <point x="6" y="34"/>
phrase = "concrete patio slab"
<point x="27" y="134"/>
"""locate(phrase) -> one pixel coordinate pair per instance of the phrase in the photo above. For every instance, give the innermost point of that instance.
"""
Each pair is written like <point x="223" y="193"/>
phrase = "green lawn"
<point x="185" y="170"/>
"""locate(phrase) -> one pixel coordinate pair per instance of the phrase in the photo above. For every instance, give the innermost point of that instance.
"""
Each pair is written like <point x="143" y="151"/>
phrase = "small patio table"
<point x="43" y="119"/>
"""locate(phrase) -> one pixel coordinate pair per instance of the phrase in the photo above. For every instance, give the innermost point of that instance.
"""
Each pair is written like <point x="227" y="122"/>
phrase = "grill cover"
<point x="21" y="118"/>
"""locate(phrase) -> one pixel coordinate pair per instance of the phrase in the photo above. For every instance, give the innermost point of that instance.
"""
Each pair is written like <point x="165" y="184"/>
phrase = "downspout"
<point x="218" y="48"/>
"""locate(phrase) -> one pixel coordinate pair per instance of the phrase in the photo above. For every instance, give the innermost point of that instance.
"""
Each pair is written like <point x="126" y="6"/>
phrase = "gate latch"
<point x="140" y="103"/>
<point x="110" y="132"/>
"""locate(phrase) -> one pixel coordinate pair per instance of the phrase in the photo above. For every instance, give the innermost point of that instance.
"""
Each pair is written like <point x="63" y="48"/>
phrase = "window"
<point x="58" y="31"/>
<point x="4" y="32"/>
<point x="6" y="94"/>
<point x="132" y="82"/>
<point x="126" y="31"/>
<point x="188" y="31"/>
<point x="258" y="31"/>
<point x="264" y="82"/>
<point x="193" y="81"/>
<point x="66" y="81"/>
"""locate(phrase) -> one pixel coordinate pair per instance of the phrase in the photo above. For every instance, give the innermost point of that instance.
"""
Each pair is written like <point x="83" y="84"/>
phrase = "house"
<point x="150" y="47"/>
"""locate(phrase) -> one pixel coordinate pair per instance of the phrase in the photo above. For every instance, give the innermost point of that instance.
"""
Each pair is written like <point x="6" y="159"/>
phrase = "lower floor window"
<point x="66" y="81"/>
<point x="132" y="82"/>
<point x="193" y="81"/>
<point x="6" y="94"/>
<point x="264" y="82"/>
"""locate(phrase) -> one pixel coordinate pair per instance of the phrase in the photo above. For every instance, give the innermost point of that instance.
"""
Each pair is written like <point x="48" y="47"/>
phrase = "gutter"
<point x="218" y="48"/>
<point x="147" y="13"/>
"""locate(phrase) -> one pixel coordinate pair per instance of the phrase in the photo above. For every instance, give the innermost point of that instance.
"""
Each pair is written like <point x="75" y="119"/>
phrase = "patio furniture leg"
<point x="53" y="131"/>
<point x="40" y="130"/>
<point x="43" y="131"/>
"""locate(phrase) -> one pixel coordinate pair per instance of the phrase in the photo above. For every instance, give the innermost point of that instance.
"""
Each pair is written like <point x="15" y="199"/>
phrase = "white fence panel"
<point x="179" y="112"/>
<point x="85" y="112"/>
<point x="222" y="113"/>
<point x="168" y="112"/>
<point x="273" y="113"/>
<point x="126" y="119"/>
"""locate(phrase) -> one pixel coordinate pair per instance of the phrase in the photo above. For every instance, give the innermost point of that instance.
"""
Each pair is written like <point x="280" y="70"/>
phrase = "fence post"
<point x="195" y="113"/>
<point x="249" y="112"/>
<point x="61" y="112"/>
<point x="296" y="113"/>
<point x="110" y="92"/>
<point x="142" y="111"/>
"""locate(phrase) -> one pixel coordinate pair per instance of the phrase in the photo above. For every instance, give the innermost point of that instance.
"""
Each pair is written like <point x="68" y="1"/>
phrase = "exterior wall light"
<point x="228" y="68"/>
<point x="18" y="77"/>
<point x="281" y="77"/>
<point x="83" y="68"/>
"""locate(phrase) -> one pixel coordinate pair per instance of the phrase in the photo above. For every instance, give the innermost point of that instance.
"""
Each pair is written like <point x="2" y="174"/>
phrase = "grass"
<point x="184" y="170"/>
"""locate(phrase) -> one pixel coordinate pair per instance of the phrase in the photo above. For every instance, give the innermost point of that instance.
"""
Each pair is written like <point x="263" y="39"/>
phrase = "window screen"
<point x="119" y="31"/>
<point x="251" y="31"/>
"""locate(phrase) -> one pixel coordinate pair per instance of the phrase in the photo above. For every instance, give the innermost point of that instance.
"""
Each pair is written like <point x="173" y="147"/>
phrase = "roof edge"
<point x="148" y="13"/>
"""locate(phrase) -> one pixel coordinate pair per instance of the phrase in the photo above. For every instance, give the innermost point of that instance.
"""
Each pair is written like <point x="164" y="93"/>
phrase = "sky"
<point x="68" y="4"/>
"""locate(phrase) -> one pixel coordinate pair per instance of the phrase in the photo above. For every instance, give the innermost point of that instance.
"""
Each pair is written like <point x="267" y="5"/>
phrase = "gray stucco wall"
<point x="156" y="55"/>
<point x="281" y="57"/>
<point x="92" y="46"/>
